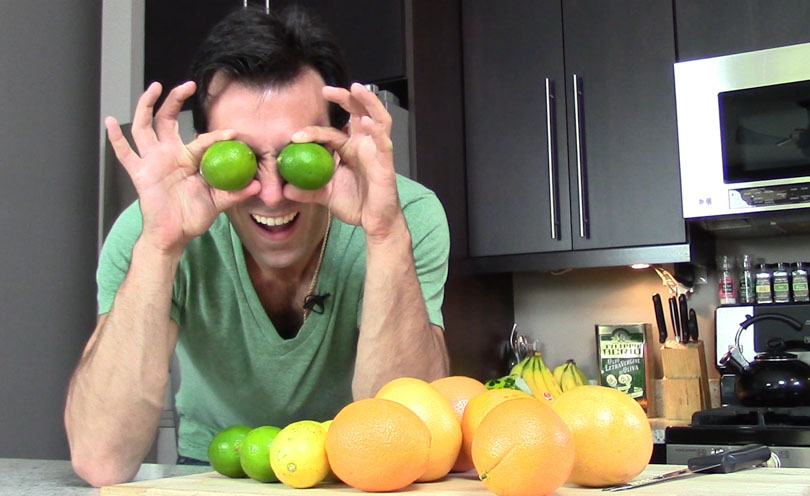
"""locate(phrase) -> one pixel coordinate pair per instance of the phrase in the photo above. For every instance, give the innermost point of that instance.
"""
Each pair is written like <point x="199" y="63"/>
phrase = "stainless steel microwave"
<point x="744" y="132"/>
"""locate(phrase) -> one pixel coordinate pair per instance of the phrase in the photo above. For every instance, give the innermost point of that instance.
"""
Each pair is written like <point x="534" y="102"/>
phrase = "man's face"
<point x="276" y="232"/>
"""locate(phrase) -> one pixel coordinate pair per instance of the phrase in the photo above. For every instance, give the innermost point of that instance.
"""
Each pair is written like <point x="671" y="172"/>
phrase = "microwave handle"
<point x="551" y="124"/>
<point x="582" y="190"/>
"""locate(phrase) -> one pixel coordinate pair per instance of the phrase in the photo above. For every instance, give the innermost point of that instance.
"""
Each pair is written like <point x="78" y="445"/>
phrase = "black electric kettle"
<point x="774" y="378"/>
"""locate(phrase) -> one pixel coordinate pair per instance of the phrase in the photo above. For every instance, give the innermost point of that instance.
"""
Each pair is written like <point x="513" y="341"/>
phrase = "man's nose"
<point x="272" y="185"/>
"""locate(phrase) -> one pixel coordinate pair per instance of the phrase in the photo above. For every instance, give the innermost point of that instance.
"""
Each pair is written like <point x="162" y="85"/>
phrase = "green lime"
<point x="223" y="452"/>
<point x="228" y="165"/>
<point x="306" y="165"/>
<point x="255" y="453"/>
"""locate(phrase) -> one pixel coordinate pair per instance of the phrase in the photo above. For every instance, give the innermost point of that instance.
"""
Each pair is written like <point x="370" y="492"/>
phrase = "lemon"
<point x="223" y="451"/>
<point x="228" y="165"/>
<point x="255" y="453"/>
<point x="306" y="165"/>
<point x="298" y="454"/>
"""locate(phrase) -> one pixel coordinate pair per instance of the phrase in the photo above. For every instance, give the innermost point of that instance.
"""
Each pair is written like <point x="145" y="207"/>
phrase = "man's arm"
<point x="115" y="397"/>
<point x="396" y="337"/>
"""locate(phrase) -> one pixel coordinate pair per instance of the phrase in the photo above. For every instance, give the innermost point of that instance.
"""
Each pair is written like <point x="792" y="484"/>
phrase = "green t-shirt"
<point x="234" y="367"/>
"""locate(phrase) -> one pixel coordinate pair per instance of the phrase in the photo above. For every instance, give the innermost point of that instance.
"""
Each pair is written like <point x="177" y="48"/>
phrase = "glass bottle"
<point x="726" y="287"/>
<point x="763" y="284"/>
<point x="799" y="282"/>
<point x="747" y="281"/>
<point x="781" y="283"/>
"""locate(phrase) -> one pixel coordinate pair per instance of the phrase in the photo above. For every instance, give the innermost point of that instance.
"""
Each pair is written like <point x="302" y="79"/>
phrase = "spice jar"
<point x="799" y="282"/>
<point x="781" y="283"/>
<point x="763" y="284"/>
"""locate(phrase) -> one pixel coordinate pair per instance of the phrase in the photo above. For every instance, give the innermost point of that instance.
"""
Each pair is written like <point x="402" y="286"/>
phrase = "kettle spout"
<point x="734" y="360"/>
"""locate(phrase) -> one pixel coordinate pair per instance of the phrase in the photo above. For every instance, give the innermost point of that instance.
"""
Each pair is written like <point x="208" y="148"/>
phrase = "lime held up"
<point x="306" y="165"/>
<point x="228" y="165"/>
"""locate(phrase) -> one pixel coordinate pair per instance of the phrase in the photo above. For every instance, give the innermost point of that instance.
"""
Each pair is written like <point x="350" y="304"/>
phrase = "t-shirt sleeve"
<point x="430" y="237"/>
<point x="115" y="257"/>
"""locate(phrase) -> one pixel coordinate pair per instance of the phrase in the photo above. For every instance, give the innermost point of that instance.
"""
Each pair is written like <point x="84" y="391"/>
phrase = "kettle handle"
<point x="795" y="324"/>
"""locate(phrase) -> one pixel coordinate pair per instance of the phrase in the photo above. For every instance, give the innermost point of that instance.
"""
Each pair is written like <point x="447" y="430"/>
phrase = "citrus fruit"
<point x="477" y="408"/>
<point x="298" y="454"/>
<point x="459" y="390"/>
<point x="611" y="432"/>
<point x="228" y="165"/>
<point x="306" y="165"/>
<point x="523" y="448"/>
<point x="437" y="413"/>
<point x="255" y="453"/>
<point x="223" y="451"/>
<point x="377" y="445"/>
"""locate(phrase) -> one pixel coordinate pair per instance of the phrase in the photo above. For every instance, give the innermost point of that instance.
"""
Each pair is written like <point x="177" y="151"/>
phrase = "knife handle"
<point x="747" y="456"/>
<point x="693" y="325"/>
<point x="676" y="321"/>
<point x="684" y="318"/>
<point x="659" y="318"/>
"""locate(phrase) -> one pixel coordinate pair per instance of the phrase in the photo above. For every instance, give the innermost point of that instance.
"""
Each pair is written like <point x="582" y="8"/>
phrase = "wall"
<point x="561" y="310"/>
<point x="49" y="52"/>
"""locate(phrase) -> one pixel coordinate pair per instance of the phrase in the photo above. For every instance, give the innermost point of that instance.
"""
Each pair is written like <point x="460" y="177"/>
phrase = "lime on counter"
<point x="255" y="453"/>
<point x="306" y="165"/>
<point x="229" y="165"/>
<point x="223" y="451"/>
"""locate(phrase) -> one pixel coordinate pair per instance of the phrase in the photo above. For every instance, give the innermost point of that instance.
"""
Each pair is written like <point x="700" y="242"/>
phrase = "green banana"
<point x="569" y="375"/>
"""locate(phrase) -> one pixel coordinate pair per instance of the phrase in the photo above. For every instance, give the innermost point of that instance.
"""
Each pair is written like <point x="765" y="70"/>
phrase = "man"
<point x="223" y="276"/>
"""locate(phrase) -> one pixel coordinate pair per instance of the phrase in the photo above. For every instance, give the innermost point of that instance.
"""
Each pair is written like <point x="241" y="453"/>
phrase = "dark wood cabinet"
<point x="709" y="28"/>
<point x="570" y="126"/>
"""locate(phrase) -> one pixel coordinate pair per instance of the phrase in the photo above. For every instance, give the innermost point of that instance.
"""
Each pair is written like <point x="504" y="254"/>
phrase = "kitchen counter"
<point x="56" y="477"/>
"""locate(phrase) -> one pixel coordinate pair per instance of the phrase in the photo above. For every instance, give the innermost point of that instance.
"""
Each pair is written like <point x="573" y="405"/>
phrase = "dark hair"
<point x="267" y="49"/>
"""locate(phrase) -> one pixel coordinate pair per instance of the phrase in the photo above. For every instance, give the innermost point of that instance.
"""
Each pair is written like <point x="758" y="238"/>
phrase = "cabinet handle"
<point x="551" y="124"/>
<point x="584" y="221"/>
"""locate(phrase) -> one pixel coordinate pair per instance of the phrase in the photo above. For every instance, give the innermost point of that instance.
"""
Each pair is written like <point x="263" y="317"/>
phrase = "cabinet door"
<point x="709" y="28"/>
<point x="625" y="180"/>
<point x="510" y="50"/>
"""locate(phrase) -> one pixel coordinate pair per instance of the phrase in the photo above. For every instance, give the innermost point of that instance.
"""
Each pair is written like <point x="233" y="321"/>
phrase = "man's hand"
<point x="176" y="202"/>
<point x="363" y="190"/>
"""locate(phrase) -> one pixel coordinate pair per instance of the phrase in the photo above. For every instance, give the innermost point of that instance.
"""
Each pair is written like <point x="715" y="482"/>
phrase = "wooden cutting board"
<point x="759" y="481"/>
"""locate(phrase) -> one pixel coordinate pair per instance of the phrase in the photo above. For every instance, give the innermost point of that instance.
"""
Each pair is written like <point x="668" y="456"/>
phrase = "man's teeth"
<point x="274" y="221"/>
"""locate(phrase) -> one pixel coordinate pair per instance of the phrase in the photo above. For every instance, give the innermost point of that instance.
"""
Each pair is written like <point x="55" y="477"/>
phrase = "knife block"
<point x="685" y="386"/>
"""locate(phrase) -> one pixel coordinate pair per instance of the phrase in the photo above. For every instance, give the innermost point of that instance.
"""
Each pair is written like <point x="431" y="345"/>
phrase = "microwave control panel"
<point x="783" y="194"/>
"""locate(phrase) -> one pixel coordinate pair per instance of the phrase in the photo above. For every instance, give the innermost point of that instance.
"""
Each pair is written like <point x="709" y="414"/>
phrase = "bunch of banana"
<point x="569" y="376"/>
<point x="539" y="378"/>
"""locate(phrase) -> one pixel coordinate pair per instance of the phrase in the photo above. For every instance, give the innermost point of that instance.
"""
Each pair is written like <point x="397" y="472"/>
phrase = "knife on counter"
<point x="693" y="325"/>
<point x="676" y="321"/>
<point x="747" y="456"/>
<point x="659" y="318"/>
<point x="683" y="312"/>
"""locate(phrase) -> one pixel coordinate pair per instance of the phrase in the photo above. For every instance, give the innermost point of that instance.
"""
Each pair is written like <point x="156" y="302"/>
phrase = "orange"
<point x="611" y="432"/>
<point x="377" y="445"/>
<point x="437" y="413"/>
<point x="523" y="448"/>
<point x="459" y="390"/>
<point x="478" y="408"/>
<point x="306" y="165"/>
<point x="228" y="165"/>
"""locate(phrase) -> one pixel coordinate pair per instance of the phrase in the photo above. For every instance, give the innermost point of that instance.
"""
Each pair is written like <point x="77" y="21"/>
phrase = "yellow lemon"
<point x="298" y="455"/>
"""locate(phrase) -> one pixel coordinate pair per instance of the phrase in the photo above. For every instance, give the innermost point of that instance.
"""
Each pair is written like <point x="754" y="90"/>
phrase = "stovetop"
<point x="741" y="425"/>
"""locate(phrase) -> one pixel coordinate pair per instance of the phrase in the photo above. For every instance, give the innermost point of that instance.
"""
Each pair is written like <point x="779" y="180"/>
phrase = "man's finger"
<point x="372" y="105"/>
<point x="120" y="145"/>
<point x="197" y="148"/>
<point x="142" y="131"/>
<point x="166" y="117"/>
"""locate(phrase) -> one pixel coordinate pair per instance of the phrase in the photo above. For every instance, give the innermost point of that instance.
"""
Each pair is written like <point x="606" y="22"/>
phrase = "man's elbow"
<point x="102" y="470"/>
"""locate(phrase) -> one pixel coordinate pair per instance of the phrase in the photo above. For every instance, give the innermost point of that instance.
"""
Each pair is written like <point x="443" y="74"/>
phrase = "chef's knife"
<point x="747" y="456"/>
<point x="676" y="322"/>
<point x="693" y="325"/>
<point x="659" y="318"/>
<point x="684" y="318"/>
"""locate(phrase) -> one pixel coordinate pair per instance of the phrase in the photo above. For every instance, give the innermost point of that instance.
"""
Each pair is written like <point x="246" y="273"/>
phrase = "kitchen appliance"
<point x="773" y="378"/>
<point x="744" y="132"/>
<point x="786" y="431"/>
